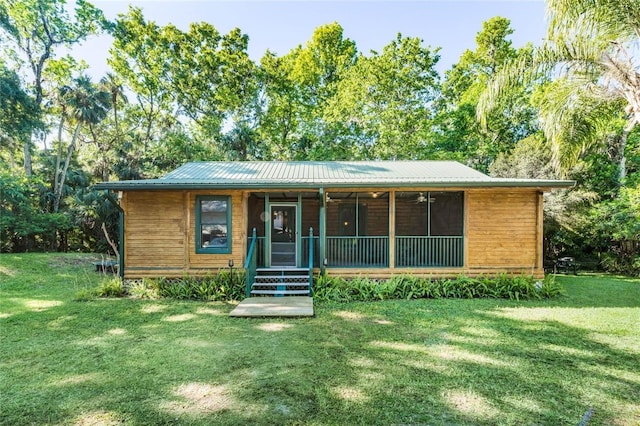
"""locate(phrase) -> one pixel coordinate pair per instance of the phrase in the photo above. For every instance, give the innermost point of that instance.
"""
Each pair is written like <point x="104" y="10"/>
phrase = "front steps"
<point x="281" y="282"/>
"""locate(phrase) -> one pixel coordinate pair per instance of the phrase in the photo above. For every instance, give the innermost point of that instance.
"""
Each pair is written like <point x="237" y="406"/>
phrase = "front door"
<point x="283" y="235"/>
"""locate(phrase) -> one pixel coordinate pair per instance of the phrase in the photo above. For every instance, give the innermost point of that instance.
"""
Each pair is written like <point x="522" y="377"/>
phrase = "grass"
<point x="450" y="362"/>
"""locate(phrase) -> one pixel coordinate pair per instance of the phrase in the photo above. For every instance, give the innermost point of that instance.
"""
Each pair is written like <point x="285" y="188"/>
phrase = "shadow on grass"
<point x="395" y="362"/>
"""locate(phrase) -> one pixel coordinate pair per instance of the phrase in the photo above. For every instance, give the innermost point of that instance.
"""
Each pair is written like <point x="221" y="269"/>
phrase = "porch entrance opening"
<point x="283" y="235"/>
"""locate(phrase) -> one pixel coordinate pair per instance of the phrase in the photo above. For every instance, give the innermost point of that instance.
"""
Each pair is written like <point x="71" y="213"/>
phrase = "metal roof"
<point x="316" y="174"/>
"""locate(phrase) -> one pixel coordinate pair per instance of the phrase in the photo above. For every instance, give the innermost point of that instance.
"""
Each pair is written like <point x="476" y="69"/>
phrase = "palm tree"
<point x="590" y="53"/>
<point x="85" y="104"/>
<point x="113" y="84"/>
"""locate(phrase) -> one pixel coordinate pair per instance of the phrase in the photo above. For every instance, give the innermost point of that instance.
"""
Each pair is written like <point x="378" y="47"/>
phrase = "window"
<point x="213" y="224"/>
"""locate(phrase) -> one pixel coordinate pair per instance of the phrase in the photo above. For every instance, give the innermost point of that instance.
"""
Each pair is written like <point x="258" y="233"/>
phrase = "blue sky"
<point x="282" y="25"/>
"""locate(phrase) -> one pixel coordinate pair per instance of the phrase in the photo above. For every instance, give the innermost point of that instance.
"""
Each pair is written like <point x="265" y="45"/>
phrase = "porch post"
<point x="267" y="231"/>
<point x="392" y="229"/>
<point x="299" y="231"/>
<point x="322" y="230"/>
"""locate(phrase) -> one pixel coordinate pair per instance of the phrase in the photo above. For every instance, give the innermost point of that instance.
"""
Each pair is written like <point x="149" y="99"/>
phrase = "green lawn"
<point x="415" y="362"/>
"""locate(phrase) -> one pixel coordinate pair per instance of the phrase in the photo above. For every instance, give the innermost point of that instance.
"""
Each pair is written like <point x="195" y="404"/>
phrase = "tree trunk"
<point x="72" y="146"/>
<point x="623" y="159"/>
<point x="56" y="172"/>
<point x="28" y="168"/>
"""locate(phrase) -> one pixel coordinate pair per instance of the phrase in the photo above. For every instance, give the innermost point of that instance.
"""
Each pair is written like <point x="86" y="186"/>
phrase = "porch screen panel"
<point x="357" y="230"/>
<point x="429" y="229"/>
<point x="446" y="213"/>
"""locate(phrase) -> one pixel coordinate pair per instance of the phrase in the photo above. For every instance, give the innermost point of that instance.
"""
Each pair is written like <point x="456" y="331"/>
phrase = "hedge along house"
<point x="373" y="218"/>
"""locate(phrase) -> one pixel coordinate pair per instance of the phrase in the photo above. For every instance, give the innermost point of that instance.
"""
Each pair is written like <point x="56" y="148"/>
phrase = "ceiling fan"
<point x="422" y="199"/>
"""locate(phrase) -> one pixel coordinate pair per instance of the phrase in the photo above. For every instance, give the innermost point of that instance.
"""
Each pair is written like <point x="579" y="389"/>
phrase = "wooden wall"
<point x="504" y="231"/>
<point x="154" y="233"/>
<point x="502" y="228"/>
<point x="160" y="234"/>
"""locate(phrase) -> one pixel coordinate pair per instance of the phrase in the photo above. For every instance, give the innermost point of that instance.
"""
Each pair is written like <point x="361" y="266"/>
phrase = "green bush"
<point x="111" y="287"/>
<point x="147" y="288"/>
<point x="513" y="287"/>
<point x="222" y="286"/>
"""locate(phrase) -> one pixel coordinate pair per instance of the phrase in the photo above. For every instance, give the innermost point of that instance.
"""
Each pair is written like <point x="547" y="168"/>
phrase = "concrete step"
<point x="283" y="277"/>
<point x="281" y="292"/>
<point x="283" y="271"/>
<point x="295" y="284"/>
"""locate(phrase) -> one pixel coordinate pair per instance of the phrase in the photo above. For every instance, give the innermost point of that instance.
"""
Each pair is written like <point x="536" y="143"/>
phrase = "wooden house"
<point x="373" y="218"/>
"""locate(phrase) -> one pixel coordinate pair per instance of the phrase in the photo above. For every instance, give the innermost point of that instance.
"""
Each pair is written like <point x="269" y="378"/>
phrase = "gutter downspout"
<point x="120" y="233"/>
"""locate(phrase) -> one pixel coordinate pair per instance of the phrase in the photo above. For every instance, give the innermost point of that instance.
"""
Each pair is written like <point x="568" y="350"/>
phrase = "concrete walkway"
<point x="289" y="306"/>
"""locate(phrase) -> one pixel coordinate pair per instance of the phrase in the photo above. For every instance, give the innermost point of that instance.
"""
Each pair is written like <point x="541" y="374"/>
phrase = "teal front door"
<point x="283" y="235"/>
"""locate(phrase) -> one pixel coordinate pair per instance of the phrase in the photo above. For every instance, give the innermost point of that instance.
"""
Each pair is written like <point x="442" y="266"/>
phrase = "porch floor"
<point x="290" y="306"/>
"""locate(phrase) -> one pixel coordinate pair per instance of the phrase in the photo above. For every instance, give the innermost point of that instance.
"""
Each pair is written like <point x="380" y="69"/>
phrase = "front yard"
<point x="131" y="361"/>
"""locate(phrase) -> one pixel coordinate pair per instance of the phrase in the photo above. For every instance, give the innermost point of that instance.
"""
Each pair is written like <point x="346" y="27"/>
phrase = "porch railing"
<point x="250" y="265"/>
<point x="419" y="251"/>
<point x="310" y="262"/>
<point x="367" y="252"/>
<point x="316" y="251"/>
<point x="357" y="251"/>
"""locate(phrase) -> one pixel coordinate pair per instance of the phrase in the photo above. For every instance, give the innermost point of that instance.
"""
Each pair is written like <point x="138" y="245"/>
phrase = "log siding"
<point x="502" y="231"/>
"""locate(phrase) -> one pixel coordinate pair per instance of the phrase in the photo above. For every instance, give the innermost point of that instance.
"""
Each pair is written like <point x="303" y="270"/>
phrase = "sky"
<point x="282" y="25"/>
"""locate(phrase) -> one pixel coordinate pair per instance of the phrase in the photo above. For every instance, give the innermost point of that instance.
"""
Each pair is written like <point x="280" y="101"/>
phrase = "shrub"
<point x="515" y="287"/>
<point x="222" y="286"/>
<point x="111" y="287"/>
<point x="147" y="288"/>
<point x="85" y="295"/>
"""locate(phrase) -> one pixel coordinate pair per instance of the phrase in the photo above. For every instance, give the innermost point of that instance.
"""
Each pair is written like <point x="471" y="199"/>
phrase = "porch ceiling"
<point x="328" y="174"/>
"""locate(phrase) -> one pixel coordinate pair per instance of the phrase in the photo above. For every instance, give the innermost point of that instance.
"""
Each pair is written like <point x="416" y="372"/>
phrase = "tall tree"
<point x="592" y="46"/>
<point x="298" y="88"/>
<point x="138" y="58"/>
<point x="18" y="113"/>
<point x="84" y="104"/>
<point x="385" y="101"/>
<point x="34" y="30"/>
<point x="458" y="134"/>
<point x="204" y="77"/>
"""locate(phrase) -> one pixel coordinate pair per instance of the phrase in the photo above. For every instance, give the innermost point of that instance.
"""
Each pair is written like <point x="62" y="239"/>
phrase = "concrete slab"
<point x="290" y="306"/>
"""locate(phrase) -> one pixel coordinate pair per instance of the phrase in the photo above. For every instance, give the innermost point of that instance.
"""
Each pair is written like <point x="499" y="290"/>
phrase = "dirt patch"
<point x="199" y="399"/>
<point x="6" y="271"/>
<point x="99" y="418"/>
<point x="75" y="260"/>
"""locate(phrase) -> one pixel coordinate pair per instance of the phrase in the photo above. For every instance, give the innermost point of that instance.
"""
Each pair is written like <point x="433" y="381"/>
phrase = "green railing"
<point x="314" y="251"/>
<point x="368" y="252"/>
<point x="420" y="251"/>
<point x="353" y="252"/>
<point x="310" y="259"/>
<point x="250" y="265"/>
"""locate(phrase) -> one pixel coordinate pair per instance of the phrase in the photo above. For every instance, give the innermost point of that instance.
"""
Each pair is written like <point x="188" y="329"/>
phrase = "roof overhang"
<point x="164" y="185"/>
<point x="313" y="175"/>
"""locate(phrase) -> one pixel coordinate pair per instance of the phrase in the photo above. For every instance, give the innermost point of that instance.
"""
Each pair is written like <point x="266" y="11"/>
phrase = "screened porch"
<point x="359" y="229"/>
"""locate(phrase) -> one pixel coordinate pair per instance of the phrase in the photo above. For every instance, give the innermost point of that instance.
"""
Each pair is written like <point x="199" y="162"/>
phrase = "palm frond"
<point x="575" y="115"/>
<point x="600" y="19"/>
